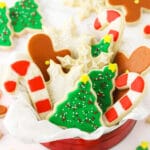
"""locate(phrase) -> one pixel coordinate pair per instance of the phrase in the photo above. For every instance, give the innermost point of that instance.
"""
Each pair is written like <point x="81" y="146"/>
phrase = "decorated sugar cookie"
<point x="144" y="145"/>
<point x="86" y="7"/>
<point x="133" y="63"/>
<point x="41" y="50"/>
<point x="5" y="31"/>
<point x="103" y="46"/>
<point x="139" y="61"/>
<point x="24" y="15"/>
<point x="126" y="103"/>
<point x="112" y="20"/>
<point x="60" y="82"/>
<point x="79" y="108"/>
<point x="26" y="72"/>
<point x="69" y="38"/>
<point x="103" y="85"/>
<point x="133" y="8"/>
<point x="91" y="56"/>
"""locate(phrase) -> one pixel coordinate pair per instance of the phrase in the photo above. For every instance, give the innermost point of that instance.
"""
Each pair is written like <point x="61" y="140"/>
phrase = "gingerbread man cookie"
<point x="133" y="8"/>
<point x="138" y="62"/>
<point x="41" y="50"/>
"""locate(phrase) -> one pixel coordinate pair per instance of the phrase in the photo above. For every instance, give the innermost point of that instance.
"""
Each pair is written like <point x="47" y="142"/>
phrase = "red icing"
<point x="97" y="24"/>
<point x="115" y="34"/>
<point x="138" y="85"/>
<point x="36" y="84"/>
<point x="111" y="114"/>
<point x="43" y="106"/>
<point x="112" y="15"/>
<point x="121" y="80"/>
<point x="147" y="29"/>
<point x="21" y="67"/>
<point x="125" y="102"/>
<point x="10" y="86"/>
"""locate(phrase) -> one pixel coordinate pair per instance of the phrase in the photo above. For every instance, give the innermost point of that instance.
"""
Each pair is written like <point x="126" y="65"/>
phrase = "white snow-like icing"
<point x="86" y="60"/>
<point x="61" y="83"/>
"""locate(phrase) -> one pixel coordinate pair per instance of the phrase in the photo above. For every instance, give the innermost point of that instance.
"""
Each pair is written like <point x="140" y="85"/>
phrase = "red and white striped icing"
<point x="109" y="17"/>
<point x="136" y="84"/>
<point x="33" y="80"/>
<point x="147" y="30"/>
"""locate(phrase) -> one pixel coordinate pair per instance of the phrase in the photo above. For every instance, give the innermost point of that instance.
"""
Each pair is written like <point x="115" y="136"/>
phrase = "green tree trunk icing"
<point x="5" y="33"/>
<point x="25" y="15"/>
<point x="103" y="85"/>
<point x="79" y="109"/>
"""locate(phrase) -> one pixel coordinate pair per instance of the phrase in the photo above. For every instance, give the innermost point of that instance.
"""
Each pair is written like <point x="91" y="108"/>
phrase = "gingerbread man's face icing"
<point x="41" y="50"/>
<point x="132" y="8"/>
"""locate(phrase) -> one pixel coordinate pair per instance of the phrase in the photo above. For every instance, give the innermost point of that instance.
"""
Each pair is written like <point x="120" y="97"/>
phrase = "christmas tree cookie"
<point x="5" y="32"/>
<point x="79" y="109"/>
<point x="24" y="15"/>
<point x="103" y="84"/>
<point x="103" y="46"/>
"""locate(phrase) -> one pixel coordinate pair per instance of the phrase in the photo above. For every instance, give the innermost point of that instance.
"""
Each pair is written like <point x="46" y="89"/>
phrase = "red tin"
<point x="103" y="143"/>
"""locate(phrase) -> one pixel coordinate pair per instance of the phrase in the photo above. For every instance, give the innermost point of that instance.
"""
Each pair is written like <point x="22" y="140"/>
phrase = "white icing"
<point x="86" y="60"/>
<point x="60" y="82"/>
<point x="119" y="109"/>
<point x="133" y="96"/>
<point x="86" y="7"/>
<point x="131" y="77"/>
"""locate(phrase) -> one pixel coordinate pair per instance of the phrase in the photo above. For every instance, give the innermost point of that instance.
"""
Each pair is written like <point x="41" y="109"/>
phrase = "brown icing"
<point x="3" y="111"/>
<point x="138" y="62"/>
<point x="41" y="49"/>
<point x="133" y="8"/>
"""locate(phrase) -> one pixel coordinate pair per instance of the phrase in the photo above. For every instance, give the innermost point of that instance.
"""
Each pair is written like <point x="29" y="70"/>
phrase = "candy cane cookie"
<point x="29" y="73"/>
<point x="112" y="20"/>
<point x="136" y="84"/>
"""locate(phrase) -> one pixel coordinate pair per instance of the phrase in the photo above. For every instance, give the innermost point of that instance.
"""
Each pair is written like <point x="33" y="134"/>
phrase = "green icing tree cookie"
<point x="5" y="33"/>
<point x="79" y="109"/>
<point x="103" y="85"/>
<point x="25" y="15"/>
<point x="103" y="46"/>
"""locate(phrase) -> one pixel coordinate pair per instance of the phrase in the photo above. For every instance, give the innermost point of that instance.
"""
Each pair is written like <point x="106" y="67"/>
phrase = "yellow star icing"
<point x="127" y="71"/>
<point x="2" y="5"/>
<point x="144" y="144"/>
<point x="107" y="38"/>
<point x="84" y="78"/>
<point x="136" y="1"/>
<point x="47" y="62"/>
<point x="112" y="67"/>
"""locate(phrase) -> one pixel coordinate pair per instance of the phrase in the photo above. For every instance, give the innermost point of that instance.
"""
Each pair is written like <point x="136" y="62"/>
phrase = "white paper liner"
<point x="21" y="121"/>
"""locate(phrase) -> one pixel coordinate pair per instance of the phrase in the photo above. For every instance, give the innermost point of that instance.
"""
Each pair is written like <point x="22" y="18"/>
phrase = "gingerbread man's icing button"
<point x="41" y="50"/>
<point x="133" y="8"/>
